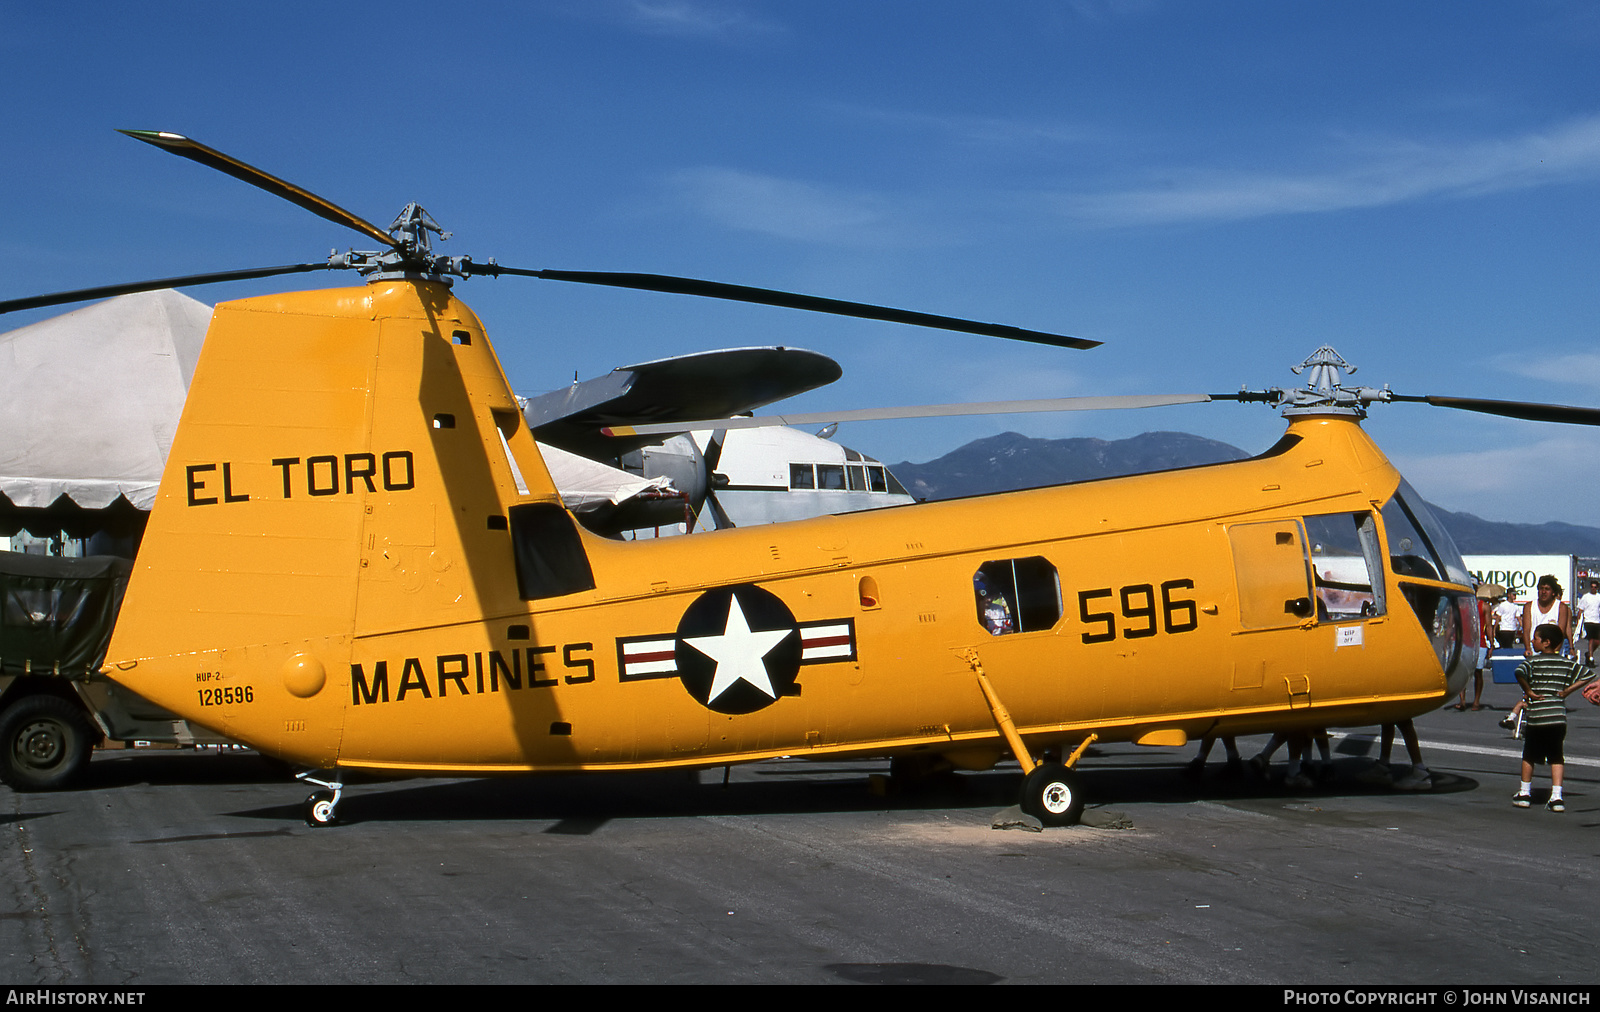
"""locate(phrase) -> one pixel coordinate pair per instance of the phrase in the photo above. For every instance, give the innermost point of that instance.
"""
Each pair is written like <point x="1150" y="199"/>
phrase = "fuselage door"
<point x="1273" y="575"/>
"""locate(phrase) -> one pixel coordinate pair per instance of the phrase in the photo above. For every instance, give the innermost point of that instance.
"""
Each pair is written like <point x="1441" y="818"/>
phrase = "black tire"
<point x="44" y="743"/>
<point x="1051" y="794"/>
<point x="320" y="810"/>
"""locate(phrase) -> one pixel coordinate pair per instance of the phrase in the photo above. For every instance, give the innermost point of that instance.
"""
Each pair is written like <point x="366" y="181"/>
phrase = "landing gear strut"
<point x="322" y="807"/>
<point x="1050" y="791"/>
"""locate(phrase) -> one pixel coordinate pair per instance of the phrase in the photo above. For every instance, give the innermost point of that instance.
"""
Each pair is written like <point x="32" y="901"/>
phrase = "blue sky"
<point x="1213" y="190"/>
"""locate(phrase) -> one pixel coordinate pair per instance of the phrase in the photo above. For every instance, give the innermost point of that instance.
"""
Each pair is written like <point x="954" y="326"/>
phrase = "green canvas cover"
<point x="56" y="614"/>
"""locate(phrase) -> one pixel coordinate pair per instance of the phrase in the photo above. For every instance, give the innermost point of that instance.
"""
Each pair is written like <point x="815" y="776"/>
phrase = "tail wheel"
<point x="1051" y="794"/>
<point x="44" y="743"/>
<point x="320" y="810"/>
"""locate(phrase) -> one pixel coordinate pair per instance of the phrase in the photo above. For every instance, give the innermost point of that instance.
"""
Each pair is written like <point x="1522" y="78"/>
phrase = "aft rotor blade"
<point x="186" y="281"/>
<point x="1529" y="410"/>
<point x="923" y="411"/>
<point x="212" y="158"/>
<point x="787" y="300"/>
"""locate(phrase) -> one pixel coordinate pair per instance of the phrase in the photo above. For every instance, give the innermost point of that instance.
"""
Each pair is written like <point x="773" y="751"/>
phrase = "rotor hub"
<point x="411" y="257"/>
<point x="1324" y="392"/>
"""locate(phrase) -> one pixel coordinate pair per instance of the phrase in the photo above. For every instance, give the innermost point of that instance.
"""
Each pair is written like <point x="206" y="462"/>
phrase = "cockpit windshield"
<point x="1418" y="544"/>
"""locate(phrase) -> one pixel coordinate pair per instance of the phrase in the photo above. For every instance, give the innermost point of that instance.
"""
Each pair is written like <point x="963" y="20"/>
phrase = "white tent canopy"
<point x="588" y="484"/>
<point x="89" y="402"/>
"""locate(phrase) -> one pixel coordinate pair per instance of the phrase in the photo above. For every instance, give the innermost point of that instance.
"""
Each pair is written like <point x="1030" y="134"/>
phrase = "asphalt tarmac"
<point x="191" y="868"/>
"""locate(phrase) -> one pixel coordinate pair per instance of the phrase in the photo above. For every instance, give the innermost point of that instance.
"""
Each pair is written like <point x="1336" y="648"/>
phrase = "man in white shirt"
<point x="1507" y="622"/>
<point x="1589" y="606"/>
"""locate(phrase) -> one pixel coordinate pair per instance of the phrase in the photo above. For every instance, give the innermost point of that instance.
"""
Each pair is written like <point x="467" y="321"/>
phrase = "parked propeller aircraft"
<point x="721" y="478"/>
<point x="357" y="561"/>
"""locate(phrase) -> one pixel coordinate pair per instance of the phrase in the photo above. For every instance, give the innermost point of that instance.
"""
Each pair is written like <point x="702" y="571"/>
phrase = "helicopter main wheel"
<point x="1051" y="794"/>
<point x="321" y="810"/>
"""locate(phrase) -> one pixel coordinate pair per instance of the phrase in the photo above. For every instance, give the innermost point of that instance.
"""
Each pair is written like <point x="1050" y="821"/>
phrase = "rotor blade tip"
<point x="155" y="136"/>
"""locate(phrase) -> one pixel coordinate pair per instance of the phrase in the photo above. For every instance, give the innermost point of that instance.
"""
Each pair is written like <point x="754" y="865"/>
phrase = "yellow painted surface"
<point x="327" y="576"/>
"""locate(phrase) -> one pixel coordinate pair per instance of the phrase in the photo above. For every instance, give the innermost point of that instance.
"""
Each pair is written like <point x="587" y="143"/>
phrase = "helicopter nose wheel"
<point x="1052" y="795"/>
<point x="322" y="807"/>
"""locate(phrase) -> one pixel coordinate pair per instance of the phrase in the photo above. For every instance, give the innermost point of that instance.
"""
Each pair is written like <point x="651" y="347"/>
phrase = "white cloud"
<point x="1390" y="174"/>
<point x="1378" y="175"/>
<point x="701" y="20"/>
<point x="1581" y="369"/>
<point x="1512" y="483"/>
<point x="985" y="130"/>
<point x="786" y="208"/>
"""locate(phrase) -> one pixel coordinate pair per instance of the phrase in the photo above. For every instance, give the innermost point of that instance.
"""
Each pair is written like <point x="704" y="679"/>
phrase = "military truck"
<point x="56" y="616"/>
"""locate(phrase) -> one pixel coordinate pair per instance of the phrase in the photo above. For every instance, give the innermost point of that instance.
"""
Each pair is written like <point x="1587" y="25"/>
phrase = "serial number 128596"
<point x="229" y="694"/>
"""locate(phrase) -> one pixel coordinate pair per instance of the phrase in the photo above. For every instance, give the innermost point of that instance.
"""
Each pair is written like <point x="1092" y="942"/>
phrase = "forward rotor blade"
<point x="923" y="411"/>
<point x="212" y="158"/>
<point x="787" y="300"/>
<point x="1529" y="410"/>
<point x="186" y="281"/>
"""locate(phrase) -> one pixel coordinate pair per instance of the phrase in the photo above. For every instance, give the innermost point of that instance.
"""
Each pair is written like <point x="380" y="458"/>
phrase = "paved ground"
<point x="197" y="869"/>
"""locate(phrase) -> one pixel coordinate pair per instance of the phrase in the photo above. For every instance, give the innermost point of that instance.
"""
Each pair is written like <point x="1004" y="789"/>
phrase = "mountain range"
<point x="1012" y="461"/>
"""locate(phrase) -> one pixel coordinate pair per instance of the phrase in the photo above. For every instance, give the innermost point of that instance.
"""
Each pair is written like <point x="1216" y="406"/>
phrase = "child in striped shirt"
<point x="1547" y="678"/>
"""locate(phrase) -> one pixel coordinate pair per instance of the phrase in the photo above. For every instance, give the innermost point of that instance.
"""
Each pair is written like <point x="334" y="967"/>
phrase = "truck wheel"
<point x="44" y="743"/>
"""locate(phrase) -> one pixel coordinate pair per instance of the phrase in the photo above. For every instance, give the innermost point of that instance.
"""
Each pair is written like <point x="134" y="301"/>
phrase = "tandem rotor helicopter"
<point x="357" y="561"/>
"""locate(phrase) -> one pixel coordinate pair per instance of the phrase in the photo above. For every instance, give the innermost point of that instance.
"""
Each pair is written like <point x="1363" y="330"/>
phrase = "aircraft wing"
<point x="703" y="385"/>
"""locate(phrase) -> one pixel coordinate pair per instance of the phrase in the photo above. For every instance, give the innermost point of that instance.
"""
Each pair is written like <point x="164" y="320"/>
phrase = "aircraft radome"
<point x="357" y="561"/>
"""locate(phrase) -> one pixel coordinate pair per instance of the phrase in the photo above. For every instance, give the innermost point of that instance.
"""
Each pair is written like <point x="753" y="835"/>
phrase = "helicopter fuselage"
<point x="358" y="560"/>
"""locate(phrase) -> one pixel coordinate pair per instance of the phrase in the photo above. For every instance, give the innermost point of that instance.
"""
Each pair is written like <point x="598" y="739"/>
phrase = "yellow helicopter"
<point x="358" y="562"/>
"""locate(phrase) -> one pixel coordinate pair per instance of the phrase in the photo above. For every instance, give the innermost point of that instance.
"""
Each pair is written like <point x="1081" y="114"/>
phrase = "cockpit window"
<point x="1418" y="544"/>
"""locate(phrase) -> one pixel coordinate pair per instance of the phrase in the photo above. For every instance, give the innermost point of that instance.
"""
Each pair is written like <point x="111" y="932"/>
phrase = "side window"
<point x="802" y="476"/>
<point x="1344" y="559"/>
<point x="1017" y="595"/>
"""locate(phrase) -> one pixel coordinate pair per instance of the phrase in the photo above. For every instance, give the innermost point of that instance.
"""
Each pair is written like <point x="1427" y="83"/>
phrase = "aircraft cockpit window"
<point x="857" y="476"/>
<point x="876" y="482"/>
<point x="1017" y="595"/>
<point x="1418" y="544"/>
<point x="802" y="476"/>
<point x="1409" y="551"/>
<point x="1344" y="557"/>
<point x="830" y="476"/>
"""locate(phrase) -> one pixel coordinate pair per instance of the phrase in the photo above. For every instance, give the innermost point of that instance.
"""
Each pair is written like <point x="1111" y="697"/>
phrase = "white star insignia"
<point x="739" y="653"/>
